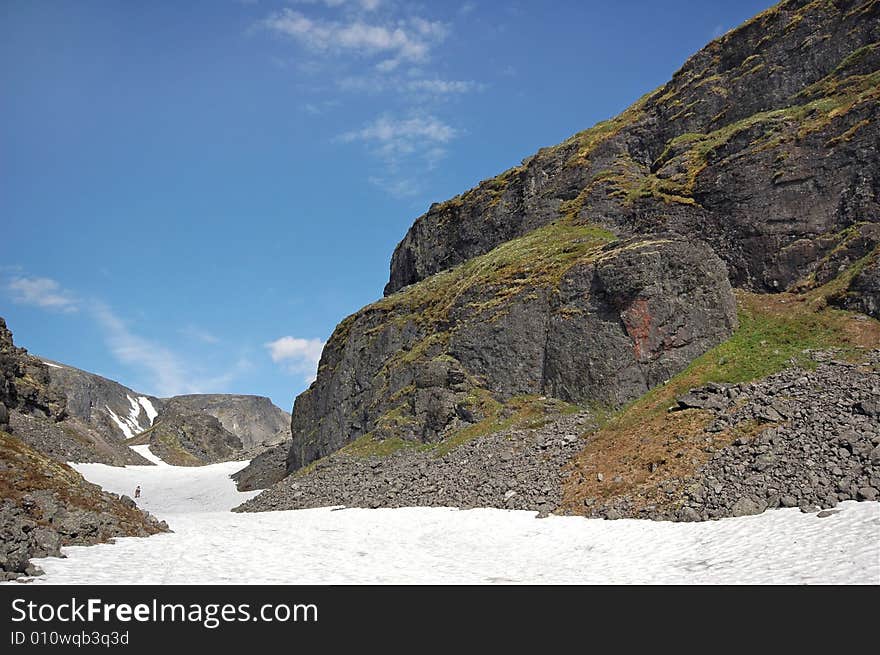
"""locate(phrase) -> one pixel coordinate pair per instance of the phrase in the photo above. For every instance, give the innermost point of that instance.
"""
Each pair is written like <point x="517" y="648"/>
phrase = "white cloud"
<point x="42" y="292"/>
<point x="405" y="146"/>
<point x="442" y="87"/>
<point x="166" y="374"/>
<point x="163" y="367"/>
<point x="366" y="5"/>
<point x="198" y="334"/>
<point x="403" y="141"/>
<point x="399" y="187"/>
<point x="300" y="356"/>
<point x="406" y="134"/>
<point x="402" y="40"/>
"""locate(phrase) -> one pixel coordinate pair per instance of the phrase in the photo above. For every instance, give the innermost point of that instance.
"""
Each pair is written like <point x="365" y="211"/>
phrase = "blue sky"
<point x="193" y="194"/>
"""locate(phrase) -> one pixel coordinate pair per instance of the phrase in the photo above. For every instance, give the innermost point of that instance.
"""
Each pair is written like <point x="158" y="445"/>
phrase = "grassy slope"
<point x="645" y="446"/>
<point x="24" y="470"/>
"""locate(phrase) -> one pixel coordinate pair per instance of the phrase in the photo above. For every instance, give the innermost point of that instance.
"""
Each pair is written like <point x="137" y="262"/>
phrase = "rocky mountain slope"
<point x="253" y="419"/>
<point x="185" y="438"/>
<point x="45" y="504"/>
<point x="763" y="144"/>
<point x="195" y="429"/>
<point x="599" y="271"/>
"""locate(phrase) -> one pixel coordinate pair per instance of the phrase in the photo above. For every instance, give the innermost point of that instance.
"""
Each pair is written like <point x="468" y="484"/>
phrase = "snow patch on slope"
<point x="148" y="408"/>
<point x="126" y="429"/>
<point x="145" y="452"/>
<point x="131" y="425"/>
<point x="423" y="545"/>
<point x="51" y="364"/>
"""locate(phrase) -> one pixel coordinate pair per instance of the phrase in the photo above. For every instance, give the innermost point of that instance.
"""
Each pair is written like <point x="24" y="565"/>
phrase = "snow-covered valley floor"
<point x="444" y="545"/>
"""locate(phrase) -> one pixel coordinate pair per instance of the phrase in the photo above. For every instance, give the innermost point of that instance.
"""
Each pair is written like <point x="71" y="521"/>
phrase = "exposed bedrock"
<point x="604" y="326"/>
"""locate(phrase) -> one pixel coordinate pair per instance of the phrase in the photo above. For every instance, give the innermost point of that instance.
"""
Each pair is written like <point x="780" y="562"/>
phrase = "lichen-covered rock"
<point x="559" y="312"/>
<point x="24" y="381"/>
<point x="44" y="504"/>
<point x="253" y="419"/>
<point x="763" y="145"/>
<point x="184" y="438"/>
<point x="863" y="292"/>
<point x="264" y="470"/>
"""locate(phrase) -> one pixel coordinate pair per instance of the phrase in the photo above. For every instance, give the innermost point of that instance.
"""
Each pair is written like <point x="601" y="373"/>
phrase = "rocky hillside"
<point x="45" y="504"/>
<point x="253" y="419"/>
<point x="107" y="411"/>
<point x="40" y="413"/>
<point x="184" y="438"/>
<point x="564" y="276"/>
<point x="103" y="405"/>
<point x="763" y="145"/>
<point x="599" y="271"/>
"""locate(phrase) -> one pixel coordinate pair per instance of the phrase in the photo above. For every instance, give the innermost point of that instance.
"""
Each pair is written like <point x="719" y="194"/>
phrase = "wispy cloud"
<point x="296" y="355"/>
<point x="198" y="334"/>
<point x="384" y="50"/>
<point x="165" y="372"/>
<point x="403" y="145"/>
<point x="157" y="369"/>
<point x="443" y="87"/>
<point x="402" y="135"/>
<point x="405" y="40"/>
<point x="366" y="5"/>
<point x="42" y="292"/>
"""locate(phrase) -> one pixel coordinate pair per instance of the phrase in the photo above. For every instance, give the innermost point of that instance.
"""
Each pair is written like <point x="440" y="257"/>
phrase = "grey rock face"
<point x="184" y="438"/>
<point x="265" y="469"/>
<point x="253" y="419"/>
<point x="615" y="324"/>
<point x="104" y="406"/>
<point x="44" y="504"/>
<point x="863" y="293"/>
<point x="729" y="151"/>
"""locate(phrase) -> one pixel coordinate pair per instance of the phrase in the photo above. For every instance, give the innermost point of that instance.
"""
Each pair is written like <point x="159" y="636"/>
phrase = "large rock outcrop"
<point x="763" y="145"/>
<point x="253" y="419"/>
<point x="111" y="414"/>
<point x="559" y="312"/>
<point x="184" y="438"/>
<point x="45" y="504"/>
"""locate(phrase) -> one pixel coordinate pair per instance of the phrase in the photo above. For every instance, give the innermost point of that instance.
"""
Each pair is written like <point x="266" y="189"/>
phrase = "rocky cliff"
<point x="601" y="267"/>
<point x="196" y="428"/>
<point x="44" y="504"/>
<point x="560" y="312"/>
<point x="253" y="419"/>
<point x="184" y="438"/>
<point x="763" y="145"/>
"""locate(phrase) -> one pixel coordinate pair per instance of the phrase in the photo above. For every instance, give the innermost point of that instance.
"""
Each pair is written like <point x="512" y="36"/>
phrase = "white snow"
<point x="51" y="364"/>
<point x="210" y="545"/>
<point x="130" y="425"/>
<point x="126" y="429"/>
<point x="146" y="453"/>
<point x="148" y="408"/>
